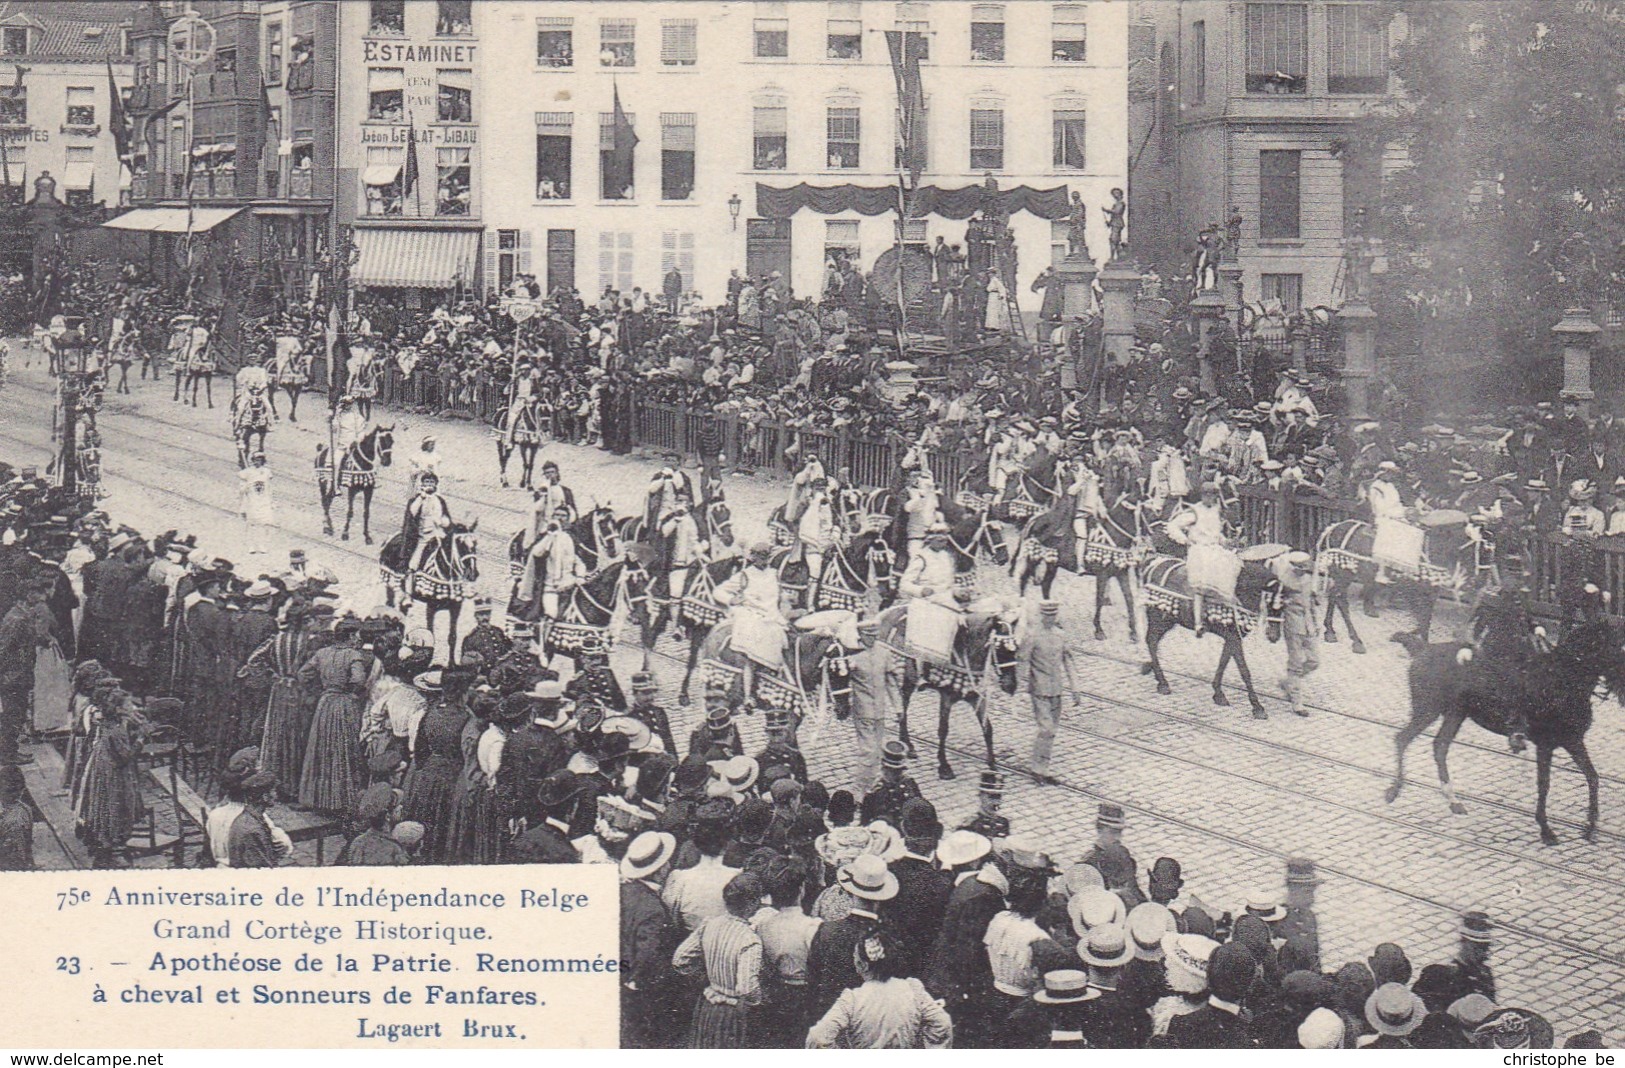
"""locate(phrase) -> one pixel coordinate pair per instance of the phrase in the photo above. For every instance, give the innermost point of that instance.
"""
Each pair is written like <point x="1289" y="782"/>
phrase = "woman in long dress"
<point x="437" y="764"/>
<point x="476" y="835"/>
<point x="997" y="319"/>
<point x="111" y="798"/>
<point x="255" y="503"/>
<point x="287" y="712"/>
<point x="334" y="770"/>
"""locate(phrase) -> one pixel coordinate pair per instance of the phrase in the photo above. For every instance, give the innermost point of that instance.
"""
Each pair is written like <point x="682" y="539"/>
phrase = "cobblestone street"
<point x="1229" y="796"/>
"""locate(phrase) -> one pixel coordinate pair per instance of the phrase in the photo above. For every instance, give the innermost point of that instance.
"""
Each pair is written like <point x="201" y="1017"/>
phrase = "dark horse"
<point x="695" y="611"/>
<point x="587" y="609"/>
<point x="1344" y="555"/>
<point x="518" y="428"/>
<point x="986" y="640"/>
<point x="356" y="473"/>
<point x="597" y="540"/>
<point x="1542" y="696"/>
<point x="1169" y="603"/>
<point x="1112" y="550"/>
<point x="449" y="576"/>
<point x="864" y="564"/>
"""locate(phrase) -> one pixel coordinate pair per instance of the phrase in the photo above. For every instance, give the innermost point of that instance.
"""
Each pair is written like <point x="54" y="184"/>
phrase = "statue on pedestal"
<point x="1232" y="235"/>
<point x="1205" y="261"/>
<point x="1077" y="228"/>
<point x="1116" y="222"/>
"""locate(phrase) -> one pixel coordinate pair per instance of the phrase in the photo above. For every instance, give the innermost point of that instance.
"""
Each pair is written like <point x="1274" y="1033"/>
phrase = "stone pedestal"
<point x="1076" y="277"/>
<point x="1230" y="288"/>
<point x="1576" y="330"/>
<point x="1359" y="324"/>
<point x="1119" y="283"/>
<point x="1300" y="346"/>
<point x="1209" y="310"/>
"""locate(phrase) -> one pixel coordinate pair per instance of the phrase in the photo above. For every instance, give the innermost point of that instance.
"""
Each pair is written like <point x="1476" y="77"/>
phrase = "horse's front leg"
<point x="366" y="515"/>
<point x="208" y="391"/>
<point x="293" y="404"/>
<point x="1100" y="603"/>
<point x="688" y="669"/>
<point x="502" y="465"/>
<point x="349" y="513"/>
<point x="1341" y="592"/>
<point x="945" y="707"/>
<point x="1246" y="676"/>
<point x="1127" y="586"/>
<point x="905" y="694"/>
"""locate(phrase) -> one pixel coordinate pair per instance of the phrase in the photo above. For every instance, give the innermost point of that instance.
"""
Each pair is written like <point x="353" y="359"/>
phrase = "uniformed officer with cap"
<point x="646" y="710"/>
<point x="989" y="799"/>
<point x="782" y="748"/>
<point x="895" y="788"/>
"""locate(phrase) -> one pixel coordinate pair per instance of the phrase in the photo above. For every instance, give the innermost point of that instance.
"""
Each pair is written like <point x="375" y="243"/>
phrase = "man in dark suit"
<point x="830" y="965"/>
<point x="648" y="938"/>
<point x="1110" y="1021"/>
<point x="533" y="751"/>
<point x="922" y="890"/>
<point x="547" y="840"/>
<point x="1222" y="1023"/>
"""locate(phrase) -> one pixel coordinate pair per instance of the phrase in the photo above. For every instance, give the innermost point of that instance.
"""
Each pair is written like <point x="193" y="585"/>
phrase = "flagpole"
<point x="191" y="178"/>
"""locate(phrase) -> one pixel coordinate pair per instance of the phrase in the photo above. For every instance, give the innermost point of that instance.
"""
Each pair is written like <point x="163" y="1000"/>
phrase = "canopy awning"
<point x="79" y="174"/>
<point x="429" y="259"/>
<point x="380" y="173"/>
<point x="171" y="220"/>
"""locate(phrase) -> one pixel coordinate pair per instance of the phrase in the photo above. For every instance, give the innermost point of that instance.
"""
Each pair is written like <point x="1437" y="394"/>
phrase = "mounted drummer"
<point x="921" y="508"/>
<point x="688" y="545"/>
<point x="817" y="534"/>
<point x="1208" y="558"/>
<point x="754" y="598"/>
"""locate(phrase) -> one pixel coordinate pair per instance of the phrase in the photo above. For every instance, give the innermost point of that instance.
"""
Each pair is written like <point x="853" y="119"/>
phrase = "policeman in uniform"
<point x="486" y="639"/>
<point x="895" y="788"/>
<point x="652" y="715"/>
<point x="781" y="745"/>
<point x="1294" y="573"/>
<point x="989" y="799"/>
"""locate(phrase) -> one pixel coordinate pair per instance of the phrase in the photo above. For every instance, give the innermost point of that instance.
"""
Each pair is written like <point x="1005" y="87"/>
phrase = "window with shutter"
<point x="679" y="42"/>
<point x="1068" y="35"/>
<point x="553" y="147"/>
<point x="617" y="42"/>
<point x="676" y="155"/>
<point x="986" y="139"/>
<point x="841" y="241"/>
<point x="1277" y="48"/>
<point x="770" y="138"/>
<point x="1356" y="49"/>
<point x="555" y="42"/>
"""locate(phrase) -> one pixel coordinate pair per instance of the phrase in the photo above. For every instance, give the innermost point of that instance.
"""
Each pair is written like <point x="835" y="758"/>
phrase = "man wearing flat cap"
<point x="781" y="748"/>
<point x="653" y="715"/>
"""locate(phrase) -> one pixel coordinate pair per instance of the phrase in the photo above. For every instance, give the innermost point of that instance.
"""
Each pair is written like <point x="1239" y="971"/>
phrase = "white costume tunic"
<point x="930" y="569"/>
<point x="758" y="622"/>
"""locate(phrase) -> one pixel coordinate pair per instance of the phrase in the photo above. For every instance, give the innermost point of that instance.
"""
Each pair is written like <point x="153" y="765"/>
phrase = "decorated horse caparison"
<point x="356" y="472"/>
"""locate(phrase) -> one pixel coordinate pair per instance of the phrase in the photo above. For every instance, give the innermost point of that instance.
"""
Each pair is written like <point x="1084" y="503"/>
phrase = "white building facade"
<point x="729" y="98"/>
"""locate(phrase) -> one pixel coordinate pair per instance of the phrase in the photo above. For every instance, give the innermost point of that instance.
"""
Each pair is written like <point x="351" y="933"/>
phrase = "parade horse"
<point x="814" y="671"/>
<point x="696" y="612"/>
<point x="250" y="412"/>
<point x="987" y="639"/>
<point x="1344" y="554"/>
<point x="1542" y="697"/>
<point x="1029" y="492"/>
<point x="597" y="538"/>
<point x="448" y="576"/>
<point x="356" y="472"/>
<point x="518" y="427"/>
<point x="587" y="609"/>
<point x="1115" y="546"/>
<point x="864" y="565"/>
<point x="1169" y="603"/>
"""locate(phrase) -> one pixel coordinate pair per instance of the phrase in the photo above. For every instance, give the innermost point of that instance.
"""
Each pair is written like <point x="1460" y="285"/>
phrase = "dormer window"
<point x="14" y="41"/>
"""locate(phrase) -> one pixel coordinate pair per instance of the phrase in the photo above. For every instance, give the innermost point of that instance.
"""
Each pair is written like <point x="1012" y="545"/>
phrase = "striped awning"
<point x="428" y="259"/>
<point x="171" y="220"/>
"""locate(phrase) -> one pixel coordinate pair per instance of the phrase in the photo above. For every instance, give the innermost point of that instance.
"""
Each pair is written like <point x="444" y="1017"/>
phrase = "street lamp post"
<point x="734" y="206"/>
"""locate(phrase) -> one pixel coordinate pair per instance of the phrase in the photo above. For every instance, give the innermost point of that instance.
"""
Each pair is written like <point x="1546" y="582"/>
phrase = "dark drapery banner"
<point x="960" y="203"/>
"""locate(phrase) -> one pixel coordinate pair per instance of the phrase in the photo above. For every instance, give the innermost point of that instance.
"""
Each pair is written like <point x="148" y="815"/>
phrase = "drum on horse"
<point x="1170" y="602"/>
<point x="587" y="610"/>
<point x="518" y="427"/>
<point x="448" y="577"/>
<point x="972" y="532"/>
<point x="986" y="639"/>
<point x="1436" y="555"/>
<point x="356" y="472"/>
<point x="814" y="671"/>
<point x="250" y="412"/>
<point x="1522" y="693"/>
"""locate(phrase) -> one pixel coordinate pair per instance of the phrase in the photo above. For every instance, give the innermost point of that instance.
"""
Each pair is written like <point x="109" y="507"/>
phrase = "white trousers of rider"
<point x="426" y="546"/>
<point x="679" y="579"/>
<point x="815" y="568"/>
<point x="550" y="604"/>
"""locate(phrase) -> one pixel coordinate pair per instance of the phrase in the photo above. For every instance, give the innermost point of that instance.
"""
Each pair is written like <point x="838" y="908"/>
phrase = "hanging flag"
<point x="625" y="139"/>
<point x="270" y="134"/>
<point x="905" y="47"/>
<point x="151" y="123"/>
<point x="409" y="174"/>
<point x="119" y="118"/>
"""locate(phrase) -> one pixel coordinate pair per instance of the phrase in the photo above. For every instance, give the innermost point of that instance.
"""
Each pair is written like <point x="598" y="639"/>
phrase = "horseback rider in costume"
<point x="816" y="531"/>
<point x="688" y="545"/>
<point x="428" y="521"/>
<point x="930" y="572"/>
<point x="554" y="561"/>
<point x="753" y="597"/>
<point x="921" y="509"/>
<point x="1201" y="530"/>
<point x="348" y="427"/>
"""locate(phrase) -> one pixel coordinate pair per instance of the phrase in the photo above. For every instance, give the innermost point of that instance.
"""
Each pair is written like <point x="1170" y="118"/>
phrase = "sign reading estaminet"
<point x="490" y="957"/>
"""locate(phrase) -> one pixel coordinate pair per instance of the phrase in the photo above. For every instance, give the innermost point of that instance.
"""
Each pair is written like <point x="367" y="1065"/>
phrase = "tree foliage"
<point x="1509" y="204"/>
